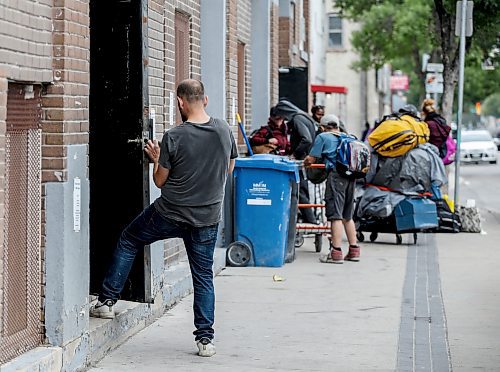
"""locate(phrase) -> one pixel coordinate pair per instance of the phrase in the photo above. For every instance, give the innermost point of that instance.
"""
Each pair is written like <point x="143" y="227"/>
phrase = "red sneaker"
<point x="334" y="256"/>
<point x="354" y="253"/>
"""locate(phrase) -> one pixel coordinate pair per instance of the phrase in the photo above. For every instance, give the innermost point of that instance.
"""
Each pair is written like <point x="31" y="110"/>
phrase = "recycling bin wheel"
<point x="238" y="254"/>
<point x="299" y="240"/>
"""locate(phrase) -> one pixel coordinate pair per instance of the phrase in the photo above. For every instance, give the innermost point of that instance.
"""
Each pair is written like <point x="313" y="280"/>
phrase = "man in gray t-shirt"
<point x="196" y="156"/>
<point x="191" y="168"/>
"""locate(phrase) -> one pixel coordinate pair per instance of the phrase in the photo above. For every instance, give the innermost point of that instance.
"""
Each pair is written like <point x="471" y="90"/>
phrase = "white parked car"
<point x="478" y="147"/>
<point x="497" y="141"/>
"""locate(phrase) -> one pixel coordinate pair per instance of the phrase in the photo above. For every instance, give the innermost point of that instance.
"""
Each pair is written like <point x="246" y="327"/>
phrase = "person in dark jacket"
<point x="302" y="132"/>
<point x="439" y="129"/>
<point x="271" y="138"/>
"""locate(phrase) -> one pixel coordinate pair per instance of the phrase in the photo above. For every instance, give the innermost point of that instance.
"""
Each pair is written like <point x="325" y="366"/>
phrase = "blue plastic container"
<point x="416" y="215"/>
<point x="263" y="187"/>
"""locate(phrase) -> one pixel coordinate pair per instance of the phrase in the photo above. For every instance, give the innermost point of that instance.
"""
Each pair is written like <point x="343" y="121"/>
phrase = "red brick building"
<point x="82" y="82"/>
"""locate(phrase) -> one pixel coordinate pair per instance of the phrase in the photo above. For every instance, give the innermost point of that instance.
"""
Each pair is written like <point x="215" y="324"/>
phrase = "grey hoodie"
<point x="301" y="127"/>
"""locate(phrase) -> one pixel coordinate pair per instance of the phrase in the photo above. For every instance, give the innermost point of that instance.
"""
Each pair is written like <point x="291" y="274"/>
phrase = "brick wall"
<point x="238" y="18"/>
<point x="3" y="118"/>
<point x="231" y="56"/>
<point x="244" y="30"/>
<point x="290" y="36"/>
<point x="48" y="42"/>
<point x="26" y="38"/>
<point x="274" y="58"/>
<point x="191" y="8"/>
<point x="284" y="41"/>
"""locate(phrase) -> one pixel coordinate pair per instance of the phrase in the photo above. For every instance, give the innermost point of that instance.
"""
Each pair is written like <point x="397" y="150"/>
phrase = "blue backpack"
<point x="353" y="157"/>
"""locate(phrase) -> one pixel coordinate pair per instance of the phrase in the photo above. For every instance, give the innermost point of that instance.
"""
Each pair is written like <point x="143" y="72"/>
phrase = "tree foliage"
<point x="491" y="105"/>
<point x="400" y="31"/>
<point x="479" y="83"/>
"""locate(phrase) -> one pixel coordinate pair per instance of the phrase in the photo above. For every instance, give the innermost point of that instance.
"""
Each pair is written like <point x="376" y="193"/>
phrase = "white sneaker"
<point x="206" y="347"/>
<point x="104" y="310"/>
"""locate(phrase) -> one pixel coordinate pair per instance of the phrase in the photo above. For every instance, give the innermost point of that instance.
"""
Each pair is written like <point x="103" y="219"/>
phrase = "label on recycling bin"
<point x="259" y="201"/>
<point x="259" y="194"/>
<point x="259" y="189"/>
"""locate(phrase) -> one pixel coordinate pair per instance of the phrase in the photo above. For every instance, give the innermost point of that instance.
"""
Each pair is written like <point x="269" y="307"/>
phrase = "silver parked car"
<point x="478" y="147"/>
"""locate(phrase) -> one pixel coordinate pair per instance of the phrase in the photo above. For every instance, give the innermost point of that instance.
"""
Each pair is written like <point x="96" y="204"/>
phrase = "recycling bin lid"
<point x="267" y="161"/>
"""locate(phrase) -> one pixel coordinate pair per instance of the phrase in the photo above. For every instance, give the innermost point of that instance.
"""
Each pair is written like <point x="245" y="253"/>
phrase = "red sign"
<point x="399" y="82"/>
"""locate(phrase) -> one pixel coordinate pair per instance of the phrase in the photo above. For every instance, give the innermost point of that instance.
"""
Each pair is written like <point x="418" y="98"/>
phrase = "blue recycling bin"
<point x="265" y="210"/>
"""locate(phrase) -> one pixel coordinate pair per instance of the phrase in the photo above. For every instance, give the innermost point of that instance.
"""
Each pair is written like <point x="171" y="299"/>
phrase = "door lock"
<point x="138" y="140"/>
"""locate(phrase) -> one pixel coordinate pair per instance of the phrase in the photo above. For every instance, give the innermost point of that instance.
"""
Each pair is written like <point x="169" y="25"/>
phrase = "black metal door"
<point x="118" y="170"/>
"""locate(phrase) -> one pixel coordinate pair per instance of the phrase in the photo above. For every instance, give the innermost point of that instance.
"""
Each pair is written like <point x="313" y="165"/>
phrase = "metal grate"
<point x="21" y="296"/>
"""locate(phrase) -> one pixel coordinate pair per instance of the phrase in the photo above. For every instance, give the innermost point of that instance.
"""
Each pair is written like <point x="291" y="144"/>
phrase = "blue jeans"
<point x="149" y="227"/>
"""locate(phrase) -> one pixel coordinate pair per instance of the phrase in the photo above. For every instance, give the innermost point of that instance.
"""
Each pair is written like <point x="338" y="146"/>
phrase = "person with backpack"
<point x="340" y="186"/>
<point x="271" y="138"/>
<point x="302" y="133"/>
<point x="439" y="129"/>
<point x="439" y="135"/>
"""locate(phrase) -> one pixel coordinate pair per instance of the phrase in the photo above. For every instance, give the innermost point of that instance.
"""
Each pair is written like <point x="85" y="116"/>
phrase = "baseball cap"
<point x="330" y="119"/>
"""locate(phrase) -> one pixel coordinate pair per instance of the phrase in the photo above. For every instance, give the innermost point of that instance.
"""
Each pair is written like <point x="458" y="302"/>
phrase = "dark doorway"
<point x="293" y="83"/>
<point x="118" y="170"/>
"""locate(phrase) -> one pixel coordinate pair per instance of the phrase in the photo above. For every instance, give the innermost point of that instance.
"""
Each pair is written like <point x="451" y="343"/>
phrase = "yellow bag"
<point x="397" y="135"/>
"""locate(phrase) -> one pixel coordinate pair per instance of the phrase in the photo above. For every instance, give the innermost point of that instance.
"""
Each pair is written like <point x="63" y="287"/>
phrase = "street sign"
<point x="399" y="82"/>
<point x="435" y="67"/>
<point x="434" y="83"/>
<point x="468" y="18"/>
<point x="425" y="60"/>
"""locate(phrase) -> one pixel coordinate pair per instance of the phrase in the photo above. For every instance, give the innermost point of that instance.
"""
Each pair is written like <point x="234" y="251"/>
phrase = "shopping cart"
<point x="323" y="227"/>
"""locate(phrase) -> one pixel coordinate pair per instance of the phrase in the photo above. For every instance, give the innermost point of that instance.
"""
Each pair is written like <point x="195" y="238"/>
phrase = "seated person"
<point x="271" y="138"/>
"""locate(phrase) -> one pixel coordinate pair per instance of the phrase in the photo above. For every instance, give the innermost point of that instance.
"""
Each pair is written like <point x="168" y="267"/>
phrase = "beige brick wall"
<point x="25" y="39"/>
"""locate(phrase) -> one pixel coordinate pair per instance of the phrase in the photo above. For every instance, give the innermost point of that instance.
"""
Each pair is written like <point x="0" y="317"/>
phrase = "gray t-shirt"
<point x="198" y="158"/>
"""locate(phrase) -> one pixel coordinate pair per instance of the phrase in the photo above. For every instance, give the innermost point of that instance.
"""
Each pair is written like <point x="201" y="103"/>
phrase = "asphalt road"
<point x="481" y="182"/>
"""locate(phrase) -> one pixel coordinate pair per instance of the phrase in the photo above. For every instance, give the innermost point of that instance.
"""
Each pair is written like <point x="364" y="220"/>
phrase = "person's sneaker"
<point x="353" y="254"/>
<point x="104" y="310"/>
<point x="206" y="347"/>
<point x="334" y="256"/>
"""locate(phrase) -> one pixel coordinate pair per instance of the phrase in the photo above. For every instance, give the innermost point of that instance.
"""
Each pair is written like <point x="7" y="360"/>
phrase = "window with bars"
<point x="334" y="31"/>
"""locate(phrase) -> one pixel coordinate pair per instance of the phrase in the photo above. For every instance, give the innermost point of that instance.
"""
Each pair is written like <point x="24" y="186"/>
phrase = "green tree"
<point x="402" y="30"/>
<point x="491" y="105"/>
<point x="478" y="83"/>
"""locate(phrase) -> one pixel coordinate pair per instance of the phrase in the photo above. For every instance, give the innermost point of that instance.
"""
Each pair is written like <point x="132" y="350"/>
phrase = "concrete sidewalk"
<point x="384" y="313"/>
